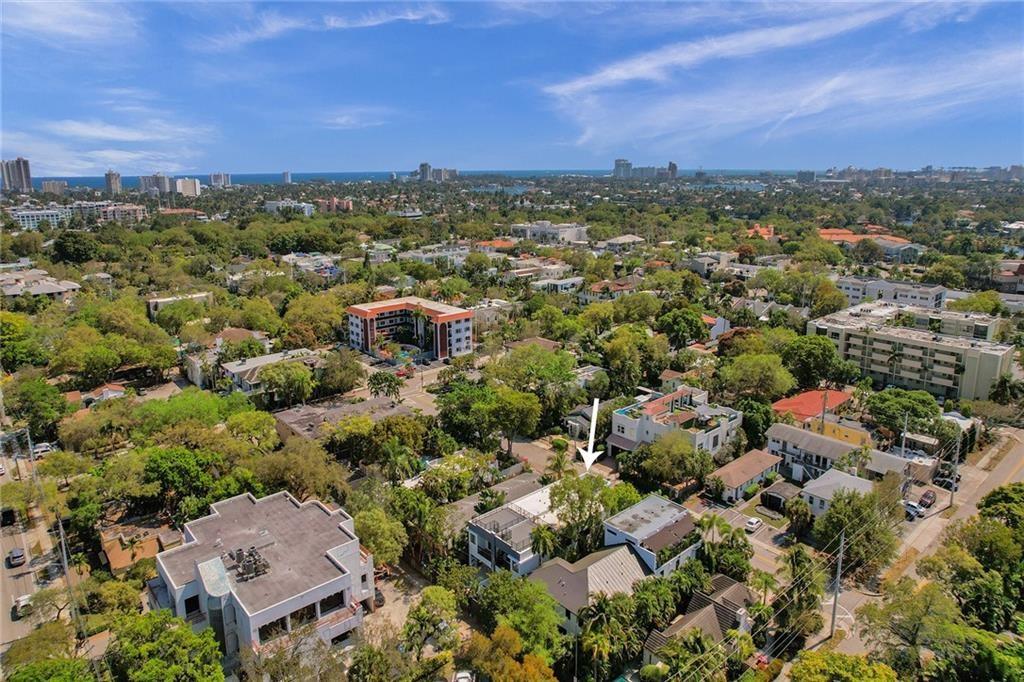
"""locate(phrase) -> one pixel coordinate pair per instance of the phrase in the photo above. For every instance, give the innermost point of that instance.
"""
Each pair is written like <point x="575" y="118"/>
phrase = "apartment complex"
<point x="36" y="282"/>
<point x="112" y="182"/>
<point x="33" y="218"/>
<point x="17" y="177"/>
<point x="302" y="207"/>
<point x="949" y="354"/>
<point x="438" y="329"/>
<point x="255" y="570"/>
<point x="686" y="409"/>
<point x="546" y="232"/>
<point x="860" y="289"/>
<point x="57" y="187"/>
<point x="188" y="187"/>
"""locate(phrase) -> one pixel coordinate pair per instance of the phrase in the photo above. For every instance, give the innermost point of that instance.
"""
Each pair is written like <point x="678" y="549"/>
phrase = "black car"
<point x="946" y="484"/>
<point x="378" y="598"/>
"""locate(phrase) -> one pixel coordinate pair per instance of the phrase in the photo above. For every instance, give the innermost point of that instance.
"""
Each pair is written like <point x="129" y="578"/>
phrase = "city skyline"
<point x="351" y="87"/>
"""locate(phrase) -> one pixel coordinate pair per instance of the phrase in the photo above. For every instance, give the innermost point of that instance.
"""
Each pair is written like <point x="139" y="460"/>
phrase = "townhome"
<point x="819" y="492"/>
<point x="501" y="538"/>
<point x="201" y="367"/>
<point x="244" y="375"/>
<point x="686" y="409"/>
<point x="256" y="570"/>
<point x="34" y="282"/>
<point x="608" y="290"/>
<point x="744" y="471"/>
<point x="663" y="534"/>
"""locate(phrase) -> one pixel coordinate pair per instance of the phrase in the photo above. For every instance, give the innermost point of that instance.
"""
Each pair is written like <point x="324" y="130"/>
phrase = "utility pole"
<point x="824" y="409"/>
<point x="956" y="466"/>
<point x="839" y="576"/>
<point x="903" y="442"/>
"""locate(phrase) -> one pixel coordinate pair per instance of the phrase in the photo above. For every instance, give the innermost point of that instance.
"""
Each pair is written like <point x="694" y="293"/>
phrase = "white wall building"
<point x="302" y="207"/>
<point x="188" y="187"/>
<point x="860" y="289"/>
<point x="255" y="570"/>
<point x="663" y="533"/>
<point x="546" y="232"/>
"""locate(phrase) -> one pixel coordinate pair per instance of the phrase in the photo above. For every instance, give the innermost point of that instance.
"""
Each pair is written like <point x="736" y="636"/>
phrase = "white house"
<point x="661" y="532"/>
<point x="745" y="471"/>
<point x="819" y="493"/>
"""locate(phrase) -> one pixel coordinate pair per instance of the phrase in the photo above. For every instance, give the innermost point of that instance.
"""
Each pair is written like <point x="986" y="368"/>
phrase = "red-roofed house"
<point x="98" y="394"/>
<point x="809" y="404"/>
<point x="766" y="232"/>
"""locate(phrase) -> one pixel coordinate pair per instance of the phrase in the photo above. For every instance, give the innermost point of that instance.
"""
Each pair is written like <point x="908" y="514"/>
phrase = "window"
<point x="363" y="579"/>
<point x="273" y="630"/>
<point x="332" y="603"/>
<point x="303" y="616"/>
<point x="191" y="606"/>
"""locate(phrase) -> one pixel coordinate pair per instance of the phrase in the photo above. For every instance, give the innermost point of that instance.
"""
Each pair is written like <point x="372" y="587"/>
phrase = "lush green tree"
<point x="832" y="666"/>
<point x="322" y="314"/>
<point x="256" y="428"/>
<point x="156" y="646"/>
<point x="683" y="326"/>
<point x="799" y="514"/>
<point x="797" y="607"/>
<point x="577" y="502"/>
<point x="342" y="372"/>
<point x="431" y="621"/>
<point x="655" y="602"/>
<point x="289" y="382"/>
<point x="547" y="374"/>
<point x="979" y="593"/>
<point x="988" y="302"/>
<point x="64" y="465"/>
<point x="36" y="403"/>
<point x="513" y="413"/>
<point x="173" y="316"/>
<point x="895" y="407"/>
<point x="526" y="607"/>
<point x="54" y="670"/>
<point x="620" y="496"/>
<point x="21" y="342"/>
<point x="904" y="622"/>
<point x="383" y="536"/>
<point x="49" y="642"/>
<point x="72" y="246"/>
<point x="672" y="459"/>
<point x="240" y="350"/>
<point x="385" y="384"/>
<point x="758" y="416"/>
<point x="811" y="360"/>
<point x="761" y="377"/>
<point x="874" y="544"/>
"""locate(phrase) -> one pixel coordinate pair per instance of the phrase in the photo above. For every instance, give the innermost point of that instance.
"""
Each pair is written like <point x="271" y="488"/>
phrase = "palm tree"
<point x="397" y="460"/>
<point x="543" y="541"/>
<point x="764" y="582"/>
<point x="694" y="655"/>
<point x="558" y="465"/>
<point x="713" y="524"/>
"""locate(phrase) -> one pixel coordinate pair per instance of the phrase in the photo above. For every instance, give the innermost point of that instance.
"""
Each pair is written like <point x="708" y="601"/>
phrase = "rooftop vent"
<point x="249" y="563"/>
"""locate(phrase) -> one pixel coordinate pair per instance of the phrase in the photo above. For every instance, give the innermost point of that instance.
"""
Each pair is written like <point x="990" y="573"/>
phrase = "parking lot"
<point x="766" y="540"/>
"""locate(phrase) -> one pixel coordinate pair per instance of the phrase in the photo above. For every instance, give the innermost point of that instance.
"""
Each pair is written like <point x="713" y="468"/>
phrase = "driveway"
<point x="401" y="592"/>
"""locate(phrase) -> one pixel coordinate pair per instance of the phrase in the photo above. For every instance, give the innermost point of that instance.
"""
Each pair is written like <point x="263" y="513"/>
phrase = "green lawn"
<point x="750" y="509"/>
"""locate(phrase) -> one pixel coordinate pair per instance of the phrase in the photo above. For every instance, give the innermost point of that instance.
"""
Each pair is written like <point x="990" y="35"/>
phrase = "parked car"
<point x="22" y="607"/>
<point x="16" y="557"/>
<point x="946" y="483"/>
<point x="378" y="598"/>
<point x="463" y="676"/>
<point x="913" y="508"/>
<point x="927" y="499"/>
<point x="40" y="449"/>
<point x="753" y="524"/>
<point x="2" y="470"/>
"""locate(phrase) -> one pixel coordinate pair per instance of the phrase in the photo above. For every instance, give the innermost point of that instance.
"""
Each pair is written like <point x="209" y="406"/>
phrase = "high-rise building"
<point x="159" y="183"/>
<point x="286" y="177"/>
<point x="188" y="187"/>
<point x="57" y="187"/>
<point x="426" y="172"/>
<point x="806" y="177"/>
<point x="673" y="170"/>
<point x="623" y="169"/>
<point x="16" y="175"/>
<point x="113" y="180"/>
<point x="220" y="179"/>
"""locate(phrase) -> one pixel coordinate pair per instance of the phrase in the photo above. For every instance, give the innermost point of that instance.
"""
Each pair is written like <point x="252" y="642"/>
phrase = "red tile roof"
<point x="808" y="404"/>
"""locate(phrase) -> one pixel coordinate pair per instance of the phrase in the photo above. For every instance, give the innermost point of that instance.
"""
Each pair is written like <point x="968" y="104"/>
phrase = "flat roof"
<point x="296" y="539"/>
<point x="307" y="420"/>
<point x="432" y="308"/>
<point x="647" y="516"/>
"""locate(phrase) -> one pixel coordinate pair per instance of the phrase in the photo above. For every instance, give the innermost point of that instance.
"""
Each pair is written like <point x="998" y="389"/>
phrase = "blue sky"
<point x="260" y="87"/>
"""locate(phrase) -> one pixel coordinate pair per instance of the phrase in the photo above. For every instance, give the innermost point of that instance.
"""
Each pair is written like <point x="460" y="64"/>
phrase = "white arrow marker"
<point x="590" y="455"/>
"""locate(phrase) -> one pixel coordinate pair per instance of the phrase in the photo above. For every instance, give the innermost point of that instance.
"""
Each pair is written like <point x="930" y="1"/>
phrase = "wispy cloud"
<point x="144" y="131"/>
<point x="356" y="117"/>
<point x="658" y="65"/>
<point x="272" y="24"/>
<point x="54" y="157"/>
<point x="71" y="24"/>
<point x="804" y="101"/>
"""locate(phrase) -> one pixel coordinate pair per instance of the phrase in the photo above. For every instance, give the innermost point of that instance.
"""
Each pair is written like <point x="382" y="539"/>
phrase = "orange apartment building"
<point x="439" y="329"/>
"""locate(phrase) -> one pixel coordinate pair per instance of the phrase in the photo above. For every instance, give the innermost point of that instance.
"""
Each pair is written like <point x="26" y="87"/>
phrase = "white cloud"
<point x="71" y="24"/>
<point x="660" y="64"/>
<point x="144" y="131"/>
<point x="356" y="117"/>
<point x="769" y="106"/>
<point x="269" y="25"/>
<point x="50" y="157"/>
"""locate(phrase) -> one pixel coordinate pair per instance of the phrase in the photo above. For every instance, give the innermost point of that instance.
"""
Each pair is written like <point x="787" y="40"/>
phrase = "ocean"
<point x="132" y="181"/>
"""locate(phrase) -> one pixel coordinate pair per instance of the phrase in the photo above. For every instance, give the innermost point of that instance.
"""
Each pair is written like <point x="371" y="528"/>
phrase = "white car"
<point x="40" y="449"/>
<point x="753" y="524"/>
<point x="913" y="508"/>
<point x="463" y="676"/>
<point x="2" y="470"/>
